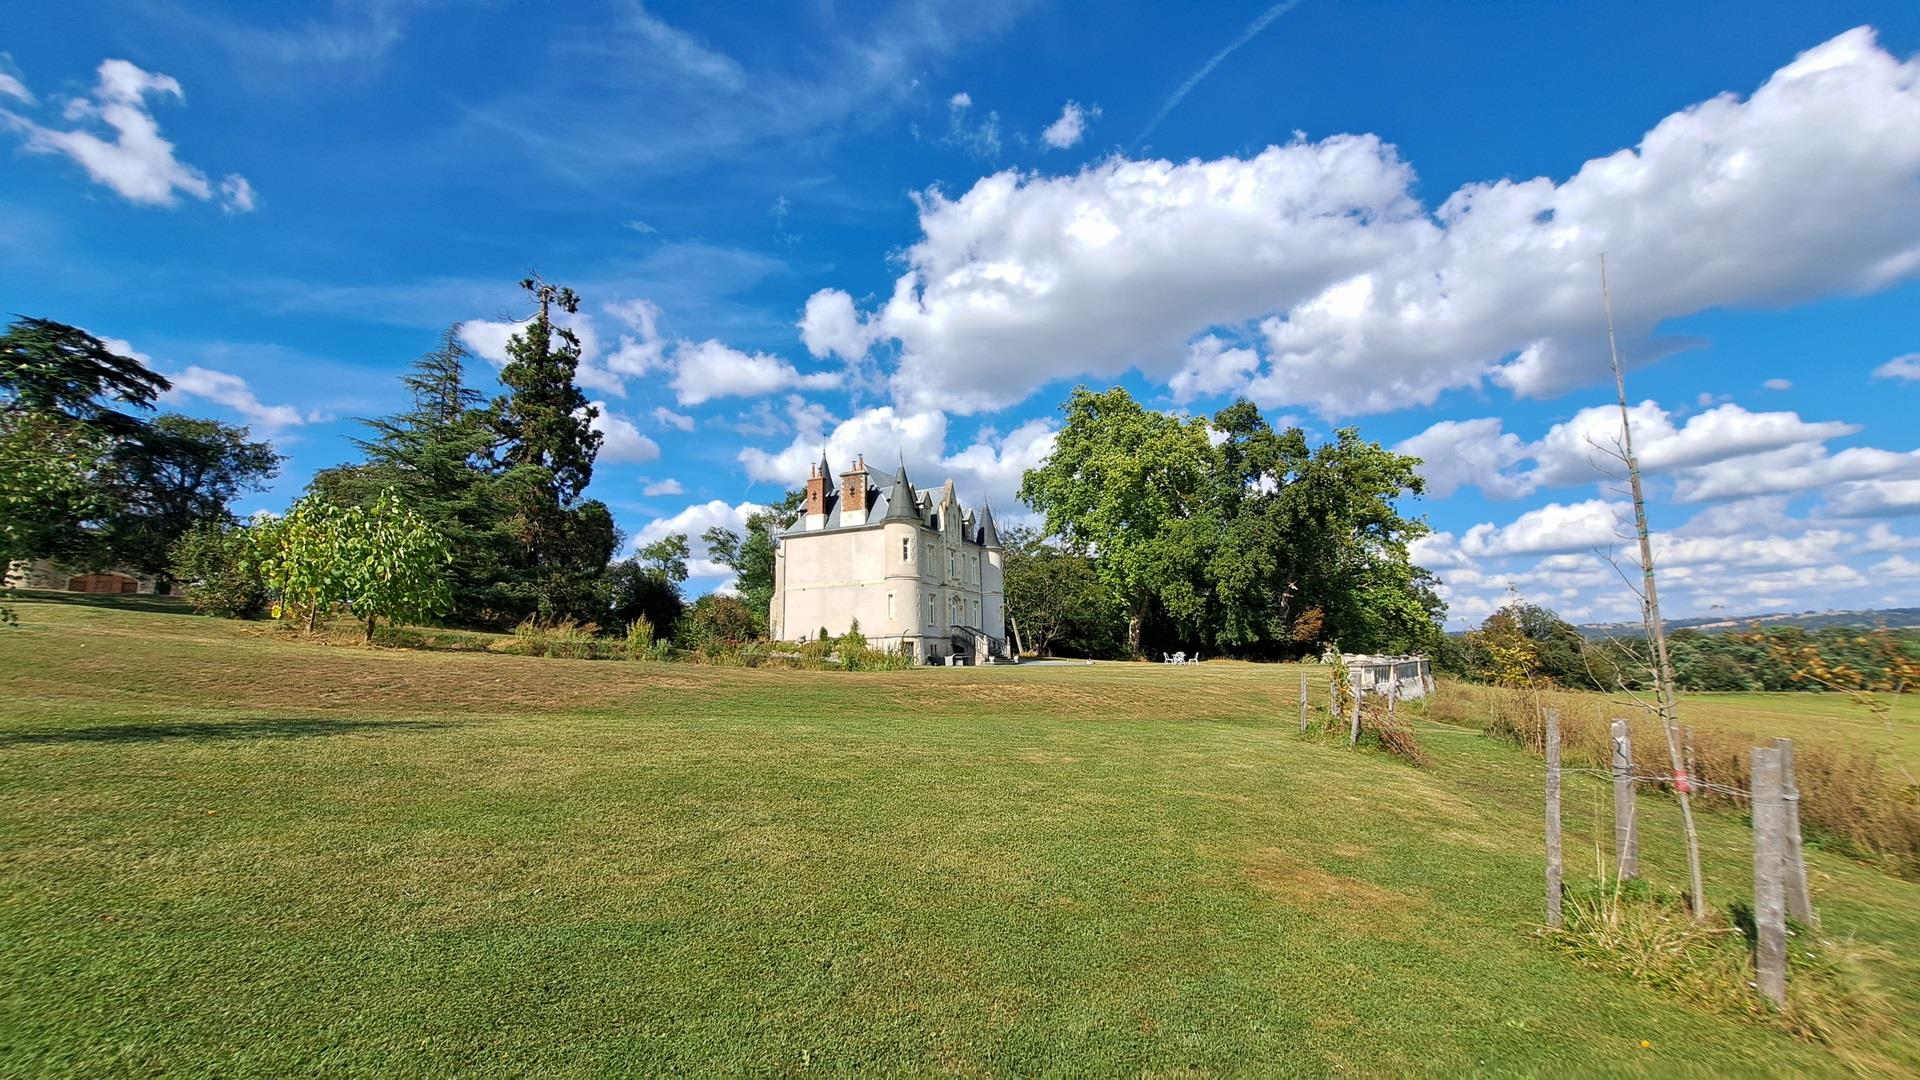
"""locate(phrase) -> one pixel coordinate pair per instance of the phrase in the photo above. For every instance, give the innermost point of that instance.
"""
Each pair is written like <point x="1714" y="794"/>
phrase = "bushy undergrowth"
<point x="1649" y="937"/>
<point x="1849" y="799"/>
<point x="1377" y="731"/>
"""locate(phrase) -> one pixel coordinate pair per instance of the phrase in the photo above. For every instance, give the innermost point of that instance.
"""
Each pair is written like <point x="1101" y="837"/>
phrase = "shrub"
<point x="565" y="639"/>
<point x="221" y="568"/>
<point x="1394" y="734"/>
<point x="719" y="618"/>
<point x="1633" y="930"/>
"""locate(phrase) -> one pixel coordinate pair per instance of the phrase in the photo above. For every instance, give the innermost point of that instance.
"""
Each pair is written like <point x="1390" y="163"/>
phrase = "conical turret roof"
<point x="989" y="536"/>
<point x="901" y="502"/>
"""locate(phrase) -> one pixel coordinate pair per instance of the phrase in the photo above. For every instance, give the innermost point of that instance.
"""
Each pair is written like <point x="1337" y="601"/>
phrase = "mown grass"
<point x="225" y="852"/>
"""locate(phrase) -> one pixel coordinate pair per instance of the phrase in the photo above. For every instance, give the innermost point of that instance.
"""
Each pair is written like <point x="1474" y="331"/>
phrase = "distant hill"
<point x="1806" y="620"/>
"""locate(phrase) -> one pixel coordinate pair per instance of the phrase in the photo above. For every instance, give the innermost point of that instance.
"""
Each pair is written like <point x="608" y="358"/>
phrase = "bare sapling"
<point x="1665" y="704"/>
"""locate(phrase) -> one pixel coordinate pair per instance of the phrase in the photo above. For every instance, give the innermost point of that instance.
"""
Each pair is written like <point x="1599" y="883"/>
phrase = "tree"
<point x="667" y="557"/>
<point x="381" y="561"/>
<point x="635" y="591"/>
<point x="178" y="472"/>
<point x="1127" y="482"/>
<point x="1229" y="534"/>
<point x="51" y="368"/>
<point x="435" y="453"/>
<point x="395" y="564"/>
<point x="1665" y="693"/>
<point x="47" y="486"/>
<point x="751" y="557"/>
<point x="220" y="563"/>
<point x="301" y="559"/>
<point x="57" y="428"/>
<point x="545" y="441"/>
<point x="1055" y="598"/>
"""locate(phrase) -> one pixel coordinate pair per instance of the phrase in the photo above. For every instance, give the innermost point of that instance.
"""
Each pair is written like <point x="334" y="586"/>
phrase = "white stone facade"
<point x="914" y="568"/>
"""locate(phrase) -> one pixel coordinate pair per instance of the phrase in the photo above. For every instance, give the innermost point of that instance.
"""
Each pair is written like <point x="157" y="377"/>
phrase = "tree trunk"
<point x="1664" y="696"/>
<point x="1134" y="619"/>
<point x="369" y="629"/>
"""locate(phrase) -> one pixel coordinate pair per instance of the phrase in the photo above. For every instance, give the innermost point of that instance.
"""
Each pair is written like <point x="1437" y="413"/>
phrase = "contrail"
<point x="1206" y="69"/>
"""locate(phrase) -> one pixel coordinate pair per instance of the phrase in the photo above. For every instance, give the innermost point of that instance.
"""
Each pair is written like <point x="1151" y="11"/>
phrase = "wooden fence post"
<point x="1303" y="701"/>
<point x="1689" y="761"/>
<point x="1393" y="697"/>
<point x="1799" y="898"/>
<point x="1353" y="738"/>
<point x="1626" y="819"/>
<point x="1553" y="818"/>
<point x="1769" y="886"/>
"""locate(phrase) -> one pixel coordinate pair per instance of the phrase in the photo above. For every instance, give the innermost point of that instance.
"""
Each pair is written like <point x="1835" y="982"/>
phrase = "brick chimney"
<point x="853" y="489"/>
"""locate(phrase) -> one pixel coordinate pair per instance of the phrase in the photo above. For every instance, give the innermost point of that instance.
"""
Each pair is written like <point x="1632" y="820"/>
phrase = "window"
<point x="890" y="611"/>
<point x="906" y="550"/>
<point x="949" y="564"/>
<point x="930" y="613"/>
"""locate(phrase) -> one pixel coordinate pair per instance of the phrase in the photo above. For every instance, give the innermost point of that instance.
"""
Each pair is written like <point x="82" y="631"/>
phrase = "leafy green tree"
<point x="58" y="425"/>
<point x="636" y="591"/>
<point x="544" y="439"/>
<point x="1128" y="482"/>
<point x="751" y="557"/>
<point x="48" y="489"/>
<point x="178" y="472"/>
<point x="219" y="562"/>
<point x="303" y="561"/>
<point x="1226" y="533"/>
<point x="435" y="453"/>
<point x="720" y="619"/>
<point x="668" y="557"/>
<point x="381" y="561"/>
<point x="1056" y="599"/>
<point x="395" y="564"/>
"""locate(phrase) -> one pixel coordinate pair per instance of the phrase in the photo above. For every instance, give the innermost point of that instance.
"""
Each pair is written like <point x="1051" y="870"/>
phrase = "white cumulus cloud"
<point x="620" y="440"/>
<point x="232" y="391"/>
<point x="709" y="369"/>
<point x="1900" y="367"/>
<point x="1365" y="299"/>
<point x="132" y="157"/>
<point x="1070" y="128"/>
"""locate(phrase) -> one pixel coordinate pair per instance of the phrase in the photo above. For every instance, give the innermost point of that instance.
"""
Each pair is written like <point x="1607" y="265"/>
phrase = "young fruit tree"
<point x="382" y="560"/>
<point x="395" y="564"/>
<point x="299" y="559"/>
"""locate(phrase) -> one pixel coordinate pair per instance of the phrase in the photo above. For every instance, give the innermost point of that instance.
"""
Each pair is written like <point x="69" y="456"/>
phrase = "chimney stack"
<point x="853" y="489"/>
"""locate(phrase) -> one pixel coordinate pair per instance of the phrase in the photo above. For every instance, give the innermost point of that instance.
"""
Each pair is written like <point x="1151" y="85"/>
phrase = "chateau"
<point x="915" y="568"/>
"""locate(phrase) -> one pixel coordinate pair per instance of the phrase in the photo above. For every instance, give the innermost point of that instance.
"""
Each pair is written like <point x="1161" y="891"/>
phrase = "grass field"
<point x="225" y="852"/>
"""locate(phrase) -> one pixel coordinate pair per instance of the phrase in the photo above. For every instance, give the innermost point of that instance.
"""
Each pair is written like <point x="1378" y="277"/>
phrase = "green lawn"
<point x="224" y="852"/>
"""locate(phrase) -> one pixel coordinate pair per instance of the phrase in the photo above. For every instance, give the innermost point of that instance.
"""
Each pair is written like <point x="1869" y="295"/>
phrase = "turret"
<point x="819" y="493"/>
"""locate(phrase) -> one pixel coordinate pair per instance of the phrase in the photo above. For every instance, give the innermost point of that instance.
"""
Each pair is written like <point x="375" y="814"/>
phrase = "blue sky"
<point x="910" y="228"/>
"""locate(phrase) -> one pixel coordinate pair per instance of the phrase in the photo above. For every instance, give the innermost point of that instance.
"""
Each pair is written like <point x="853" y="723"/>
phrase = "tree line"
<point x="1525" y="643"/>
<point x="1217" y="534"/>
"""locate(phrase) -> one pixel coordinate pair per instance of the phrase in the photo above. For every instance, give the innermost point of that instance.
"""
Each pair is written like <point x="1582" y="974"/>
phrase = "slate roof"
<point x="896" y="501"/>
